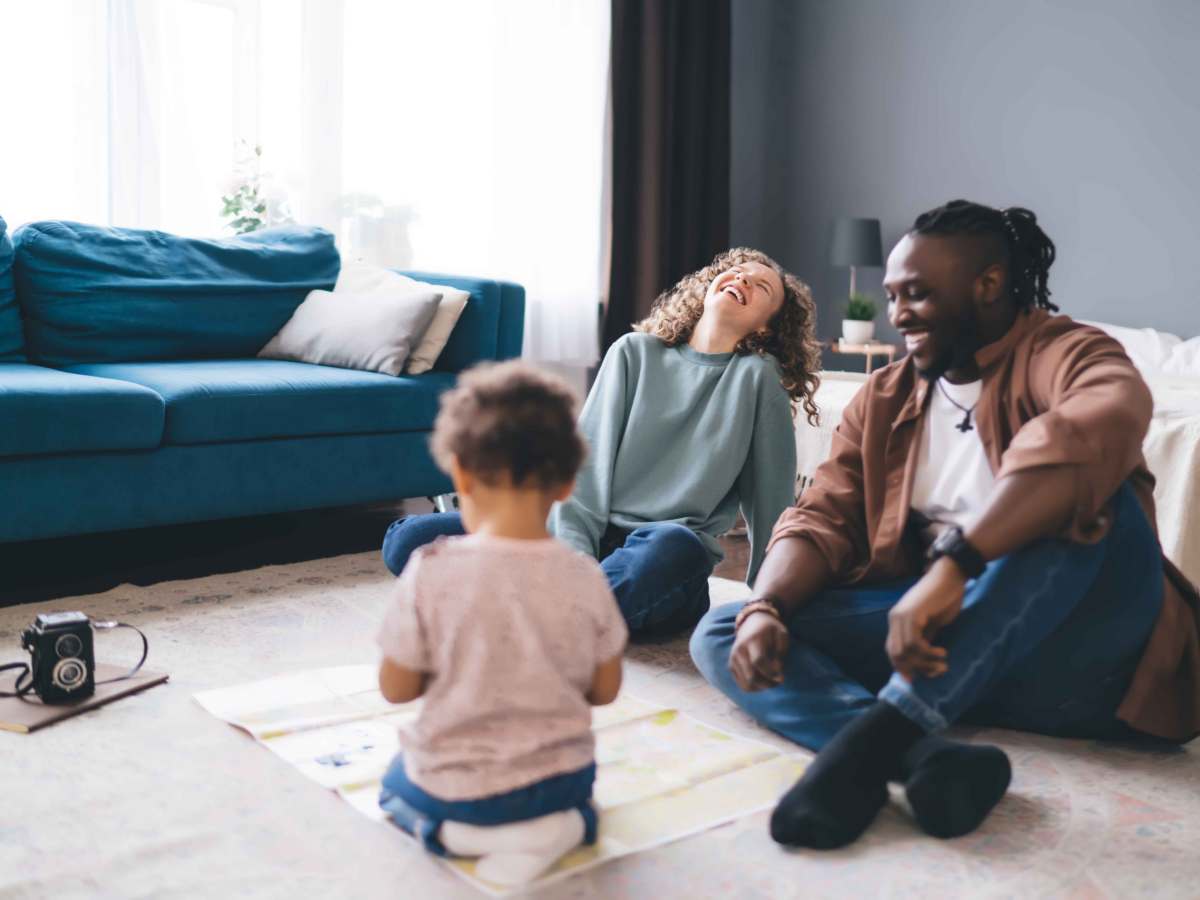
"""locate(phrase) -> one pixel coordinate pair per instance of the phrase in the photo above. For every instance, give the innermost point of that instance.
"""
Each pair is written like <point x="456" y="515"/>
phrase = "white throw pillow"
<point x="361" y="278"/>
<point x="374" y="332"/>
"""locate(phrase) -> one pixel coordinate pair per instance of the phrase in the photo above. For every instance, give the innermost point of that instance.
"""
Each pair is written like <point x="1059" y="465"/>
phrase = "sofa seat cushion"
<point x="48" y="411"/>
<point x="210" y="401"/>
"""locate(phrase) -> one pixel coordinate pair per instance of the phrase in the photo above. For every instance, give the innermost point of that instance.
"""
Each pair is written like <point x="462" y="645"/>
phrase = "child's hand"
<point x="398" y="684"/>
<point x="606" y="682"/>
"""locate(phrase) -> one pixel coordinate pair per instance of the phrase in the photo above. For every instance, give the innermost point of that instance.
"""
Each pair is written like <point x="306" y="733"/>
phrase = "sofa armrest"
<point x="491" y="327"/>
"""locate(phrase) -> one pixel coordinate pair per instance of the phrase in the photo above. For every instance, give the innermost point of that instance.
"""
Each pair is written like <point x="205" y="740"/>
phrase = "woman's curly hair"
<point x="791" y="332"/>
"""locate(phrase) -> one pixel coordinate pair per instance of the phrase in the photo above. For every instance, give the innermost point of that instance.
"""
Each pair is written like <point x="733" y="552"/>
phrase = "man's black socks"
<point x="845" y="787"/>
<point x="951" y="786"/>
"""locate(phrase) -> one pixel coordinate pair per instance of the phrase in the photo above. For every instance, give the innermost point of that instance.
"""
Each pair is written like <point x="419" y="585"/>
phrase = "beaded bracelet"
<point x="763" y="604"/>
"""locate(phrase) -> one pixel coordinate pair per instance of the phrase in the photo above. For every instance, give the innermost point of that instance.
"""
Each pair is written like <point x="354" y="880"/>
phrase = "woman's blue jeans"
<point x="1047" y="641"/>
<point x="658" y="573"/>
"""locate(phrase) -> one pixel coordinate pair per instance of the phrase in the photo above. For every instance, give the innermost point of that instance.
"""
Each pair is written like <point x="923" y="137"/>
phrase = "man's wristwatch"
<point x="953" y="544"/>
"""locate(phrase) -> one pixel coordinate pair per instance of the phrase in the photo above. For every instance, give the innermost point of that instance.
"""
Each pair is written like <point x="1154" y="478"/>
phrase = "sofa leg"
<point x="445" y="502"/>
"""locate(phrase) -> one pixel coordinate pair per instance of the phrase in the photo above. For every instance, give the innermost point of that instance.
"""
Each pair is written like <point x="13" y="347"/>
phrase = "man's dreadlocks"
<point x="1030" y="251"/>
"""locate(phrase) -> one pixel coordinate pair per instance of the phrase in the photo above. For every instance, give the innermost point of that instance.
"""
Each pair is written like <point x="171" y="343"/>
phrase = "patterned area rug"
<point x="153" y="797"/>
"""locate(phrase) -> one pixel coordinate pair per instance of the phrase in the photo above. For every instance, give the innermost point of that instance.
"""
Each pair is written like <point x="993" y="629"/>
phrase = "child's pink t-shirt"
<point x="510" y="632"/>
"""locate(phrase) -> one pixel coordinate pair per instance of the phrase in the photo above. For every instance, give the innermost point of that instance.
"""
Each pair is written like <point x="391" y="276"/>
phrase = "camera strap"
<point x="108" y="626"/>
<point x="23" y="689"/>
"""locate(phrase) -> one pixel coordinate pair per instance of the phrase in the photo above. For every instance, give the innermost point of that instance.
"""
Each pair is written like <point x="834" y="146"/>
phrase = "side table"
<point x="870" y="350"/>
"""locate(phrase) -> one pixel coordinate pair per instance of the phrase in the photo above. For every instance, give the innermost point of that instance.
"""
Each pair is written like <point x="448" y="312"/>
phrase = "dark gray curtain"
<point x="670" y="148"/>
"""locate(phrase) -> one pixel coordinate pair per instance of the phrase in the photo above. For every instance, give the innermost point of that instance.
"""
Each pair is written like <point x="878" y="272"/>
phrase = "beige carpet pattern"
<point x="152" y="797"/>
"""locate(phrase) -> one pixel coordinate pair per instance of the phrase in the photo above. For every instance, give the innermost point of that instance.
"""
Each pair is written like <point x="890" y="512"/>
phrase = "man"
<point x="979" y="547"/>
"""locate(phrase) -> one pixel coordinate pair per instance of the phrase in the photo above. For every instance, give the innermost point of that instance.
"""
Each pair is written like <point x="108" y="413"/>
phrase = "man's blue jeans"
<point x="421" y="814"/>
<point x="1047" y="641"/>
<point x="658" y="573"/>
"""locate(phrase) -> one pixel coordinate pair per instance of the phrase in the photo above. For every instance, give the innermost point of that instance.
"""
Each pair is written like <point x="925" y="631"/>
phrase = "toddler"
<point x="509" y="635"/>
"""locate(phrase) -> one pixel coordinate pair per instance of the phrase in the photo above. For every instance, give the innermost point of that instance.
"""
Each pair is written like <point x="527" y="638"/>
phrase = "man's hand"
<point x="758" y="652"/>
<point x="929" y="606"/>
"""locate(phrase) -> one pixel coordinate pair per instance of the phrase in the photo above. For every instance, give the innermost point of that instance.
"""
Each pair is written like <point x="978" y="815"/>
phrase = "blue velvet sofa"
<point x="130" y="394"/>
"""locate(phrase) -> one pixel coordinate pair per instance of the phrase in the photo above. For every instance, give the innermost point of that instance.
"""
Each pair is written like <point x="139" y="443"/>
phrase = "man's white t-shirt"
<point x="953" y="478"/>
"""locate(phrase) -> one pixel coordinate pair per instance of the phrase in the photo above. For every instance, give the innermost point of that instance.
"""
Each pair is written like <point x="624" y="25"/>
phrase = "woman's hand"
<point x="929" y="606"/>
<point x="759" y="648"/>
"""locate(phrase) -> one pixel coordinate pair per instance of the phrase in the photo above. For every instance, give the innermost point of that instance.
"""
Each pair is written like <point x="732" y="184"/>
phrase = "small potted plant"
<point x="252" y="200"/>
<point x="858" y="327"/>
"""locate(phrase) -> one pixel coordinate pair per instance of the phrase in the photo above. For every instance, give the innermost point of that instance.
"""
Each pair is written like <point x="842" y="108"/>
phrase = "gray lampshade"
<point x="855" y="242"/>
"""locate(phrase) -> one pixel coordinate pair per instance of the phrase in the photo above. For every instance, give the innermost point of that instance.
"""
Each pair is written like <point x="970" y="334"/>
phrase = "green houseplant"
<point x="244" y="206"/>
<point x="858" y="325"/>
<point x="252" y="199"/>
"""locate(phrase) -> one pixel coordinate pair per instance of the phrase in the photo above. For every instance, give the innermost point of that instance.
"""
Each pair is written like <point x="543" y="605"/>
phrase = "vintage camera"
<point x="64" y="664"/>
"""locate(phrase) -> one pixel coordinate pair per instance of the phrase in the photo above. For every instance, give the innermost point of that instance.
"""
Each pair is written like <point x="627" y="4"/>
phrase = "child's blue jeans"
<point x="421" y="814"/>
<point x="1047" y="641"/>
<point x="658" y="573"/>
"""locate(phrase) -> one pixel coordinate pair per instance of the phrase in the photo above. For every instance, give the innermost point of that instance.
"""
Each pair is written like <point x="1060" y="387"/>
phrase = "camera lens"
<point x="69" y="674"/>
<point x="68" y="645"/>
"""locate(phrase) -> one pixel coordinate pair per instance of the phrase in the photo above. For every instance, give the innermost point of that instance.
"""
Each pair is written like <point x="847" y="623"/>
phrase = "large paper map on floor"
<point x="661" y="775"/>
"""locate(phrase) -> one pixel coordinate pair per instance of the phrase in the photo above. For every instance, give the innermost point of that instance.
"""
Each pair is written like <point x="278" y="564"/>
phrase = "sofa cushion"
<point x="249" y="399"/>
<point x="97" y="294"/>
<point x="474" y="338"/>
<point x="47" y="411"/>
<point x="362" y="278"/>
<point x="12" y="339"/>
<point x="368" y="332"/>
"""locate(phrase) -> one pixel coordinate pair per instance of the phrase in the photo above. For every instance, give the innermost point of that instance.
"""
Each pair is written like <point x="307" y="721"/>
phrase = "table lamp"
<point x="855" y="242"/>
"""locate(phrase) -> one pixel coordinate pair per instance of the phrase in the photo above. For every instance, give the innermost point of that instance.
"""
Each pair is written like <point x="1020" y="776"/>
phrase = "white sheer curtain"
<point x="460" y="135"/>
<point x="54" y="130"/>
<point x="126" y="112"/>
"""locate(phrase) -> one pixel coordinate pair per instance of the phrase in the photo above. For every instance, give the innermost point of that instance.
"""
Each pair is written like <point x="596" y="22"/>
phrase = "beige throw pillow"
<point x="361" y="278"/>
<point x="373" y="332"/>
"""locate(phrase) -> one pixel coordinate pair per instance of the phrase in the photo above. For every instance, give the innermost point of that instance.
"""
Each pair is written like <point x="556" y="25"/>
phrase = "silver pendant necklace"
<point x="965" y="425"/>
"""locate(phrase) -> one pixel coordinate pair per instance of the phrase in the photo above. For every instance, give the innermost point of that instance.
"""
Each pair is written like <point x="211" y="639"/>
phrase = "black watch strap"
<point x="953" y="543"/>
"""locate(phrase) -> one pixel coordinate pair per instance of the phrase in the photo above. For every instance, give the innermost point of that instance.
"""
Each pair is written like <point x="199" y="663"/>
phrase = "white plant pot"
<point x="856" y="332"/>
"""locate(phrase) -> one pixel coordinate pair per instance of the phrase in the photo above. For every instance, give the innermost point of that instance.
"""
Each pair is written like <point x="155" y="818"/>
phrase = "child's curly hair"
<point x="509" y="422"/>
<point x="791" y="336"/>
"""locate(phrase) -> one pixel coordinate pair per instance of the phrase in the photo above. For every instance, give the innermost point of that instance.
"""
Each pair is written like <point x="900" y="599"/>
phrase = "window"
<point x="462" y="135"/>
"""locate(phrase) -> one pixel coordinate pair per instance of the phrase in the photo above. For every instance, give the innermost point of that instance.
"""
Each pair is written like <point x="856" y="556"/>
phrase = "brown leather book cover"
<point x="28" y="713"/>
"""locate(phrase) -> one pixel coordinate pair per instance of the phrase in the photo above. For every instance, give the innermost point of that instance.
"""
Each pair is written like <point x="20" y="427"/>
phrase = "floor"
<point x="151" y="797"/>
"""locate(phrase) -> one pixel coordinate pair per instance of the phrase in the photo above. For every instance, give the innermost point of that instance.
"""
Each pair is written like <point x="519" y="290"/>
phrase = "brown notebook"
<point x="28" y="713"/>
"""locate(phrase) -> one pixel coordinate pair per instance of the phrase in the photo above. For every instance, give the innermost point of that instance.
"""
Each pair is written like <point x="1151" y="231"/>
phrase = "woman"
<point x="690" y="419"/>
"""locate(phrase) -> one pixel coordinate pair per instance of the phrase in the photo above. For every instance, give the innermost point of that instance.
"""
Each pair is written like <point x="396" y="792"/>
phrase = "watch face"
<point x="947" y="539"/>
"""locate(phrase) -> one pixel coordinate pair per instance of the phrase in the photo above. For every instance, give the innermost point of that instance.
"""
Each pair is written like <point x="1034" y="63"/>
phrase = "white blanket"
<point x="813" y="442"/>
<point x="1172" y="449"/>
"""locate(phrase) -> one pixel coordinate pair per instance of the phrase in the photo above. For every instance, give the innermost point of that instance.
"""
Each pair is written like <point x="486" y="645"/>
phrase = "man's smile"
<point x="916" y="337"/>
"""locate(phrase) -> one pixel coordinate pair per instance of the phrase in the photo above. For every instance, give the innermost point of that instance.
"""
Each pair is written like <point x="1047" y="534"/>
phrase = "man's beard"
<point x="961" y="352"/>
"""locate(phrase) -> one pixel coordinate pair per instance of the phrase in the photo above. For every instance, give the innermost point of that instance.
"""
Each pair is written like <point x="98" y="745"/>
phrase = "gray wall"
<point x="1086" y="111"/>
